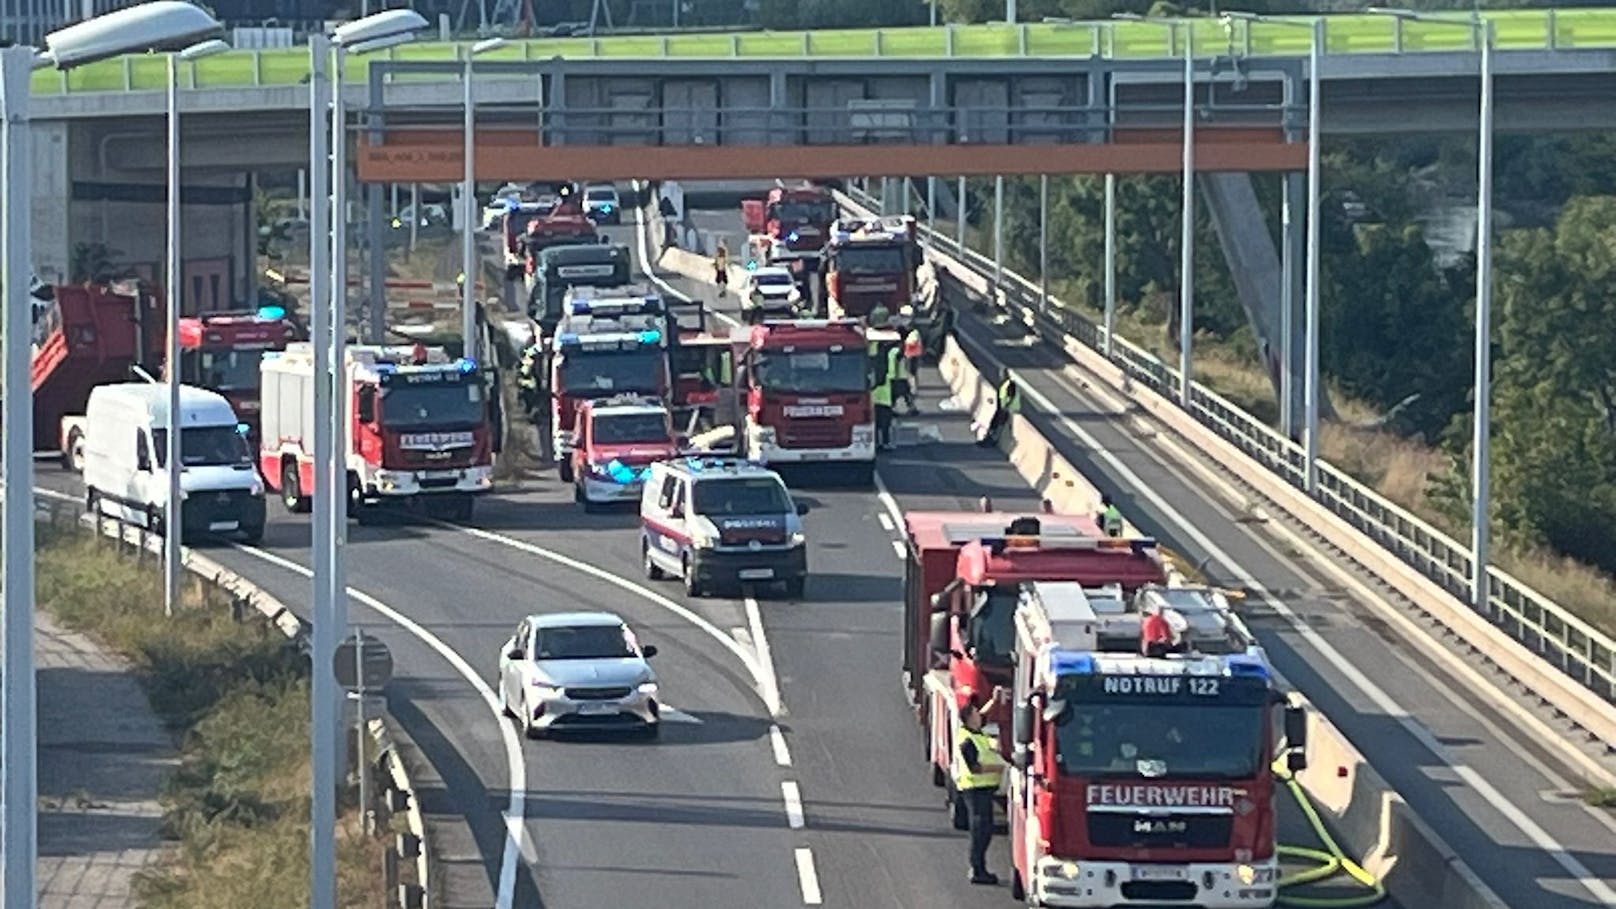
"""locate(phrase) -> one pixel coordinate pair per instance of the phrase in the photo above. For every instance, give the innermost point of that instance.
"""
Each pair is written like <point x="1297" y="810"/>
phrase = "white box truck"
<point x="125" y="471"/>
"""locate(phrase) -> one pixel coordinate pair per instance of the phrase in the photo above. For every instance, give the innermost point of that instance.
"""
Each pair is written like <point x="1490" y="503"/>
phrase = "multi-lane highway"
<point x="791" y="771"/>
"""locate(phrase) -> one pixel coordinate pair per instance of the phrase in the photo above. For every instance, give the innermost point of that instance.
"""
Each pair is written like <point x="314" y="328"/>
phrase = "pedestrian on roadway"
<point x="1008" y="403"/>
<point x="978" y="770"/>
<point x="721" y="268"/>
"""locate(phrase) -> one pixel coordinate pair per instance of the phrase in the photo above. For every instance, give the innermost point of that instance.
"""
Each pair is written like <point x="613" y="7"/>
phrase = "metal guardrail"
<point x="406" y="868"/>
<point x="1536" y="29"/>
<point x="1581" y="651"/>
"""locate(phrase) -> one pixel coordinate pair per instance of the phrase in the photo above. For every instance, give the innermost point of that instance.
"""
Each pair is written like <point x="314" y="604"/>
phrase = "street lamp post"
<point x="468" y="203"/>
<point x="1110" y="261"/>
<point x="1481" y="439"/>
<point x="1310" y="365"/>
<point x="160" y="26"/>
<point x="173" y="521"/>
<point x="1186" y="261"/>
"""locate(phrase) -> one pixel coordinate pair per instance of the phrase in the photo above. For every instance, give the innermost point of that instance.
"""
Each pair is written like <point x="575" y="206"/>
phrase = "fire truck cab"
<point x="961" y="592"/>
<point x="868" y="263"/>
<point x="790" y="224"/>
<point x="608" y="342"/>
<point x="618" y="439"/>
<point x="807" y="395"/>
<point x="1143" y="780"/>
<point x="223" y="350"/>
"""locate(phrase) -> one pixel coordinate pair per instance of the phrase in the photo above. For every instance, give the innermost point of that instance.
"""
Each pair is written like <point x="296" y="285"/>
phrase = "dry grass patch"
<point x="237" y="694"/>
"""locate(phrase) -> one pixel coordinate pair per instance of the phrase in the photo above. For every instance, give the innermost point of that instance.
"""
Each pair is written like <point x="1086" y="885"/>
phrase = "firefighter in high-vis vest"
<point x="881" y="397"/>
<point x="1110" y="517"/>
<point x="914" y="347"/>
<point x="978" y="770"/>
<point x="880" y="316"/>
<point x="527" y="378"/>
<point x="752" y="306"/>
<point x="1009" y="403"/>
<point x="898" y="369"/>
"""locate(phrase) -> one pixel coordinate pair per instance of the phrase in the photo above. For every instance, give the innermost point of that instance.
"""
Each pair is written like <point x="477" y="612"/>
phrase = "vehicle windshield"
<point x="1147" y="741"/>
<point x="872" y="260"/>
<point x="744" y="495"/>
<point x="812" y="371"/>
<point x="601" y="194"/>
<point x="776" y="279"/>
<point x="805" y="212"/>
<point x="223" y="370"/>
<point x="583" y="642"/>
<point x="206" y="446"/>
<point x="603" y="373"/>
<point x="432" y="406"/>
<point x="990" y="630"/>
<point x="626" y="428"/>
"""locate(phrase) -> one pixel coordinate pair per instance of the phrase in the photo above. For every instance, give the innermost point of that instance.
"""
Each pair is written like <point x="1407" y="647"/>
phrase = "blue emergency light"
<point x="1244" y="664"/>
<point x="567" y="337"/>
<point x="468" y="365"/>
<point x="1070" y="662"/>
<point x="271" y="312"/>
<point x="792" y="237"/>
<point x="650" y="337"/>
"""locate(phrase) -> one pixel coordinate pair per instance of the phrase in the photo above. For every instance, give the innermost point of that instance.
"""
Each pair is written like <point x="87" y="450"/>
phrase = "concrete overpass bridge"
<point x="1035" y="98"/>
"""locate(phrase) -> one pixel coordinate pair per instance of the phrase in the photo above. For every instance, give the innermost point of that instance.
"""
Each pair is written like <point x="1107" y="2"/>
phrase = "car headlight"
<point x="544" y="691"/>
<point x="702" y="540"/>
<point x="798" y="538"/>
<point x="863" y="435"/>
<point x="647" y="688"/>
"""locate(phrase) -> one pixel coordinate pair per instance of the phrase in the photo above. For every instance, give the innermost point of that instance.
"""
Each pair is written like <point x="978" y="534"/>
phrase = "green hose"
<point x="1331" y="861"/>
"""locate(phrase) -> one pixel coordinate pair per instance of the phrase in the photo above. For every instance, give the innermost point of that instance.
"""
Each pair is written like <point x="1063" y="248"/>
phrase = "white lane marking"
<point x="1353" y="674"/>
<point x="886" y="522"/>
<point x="793" y="798"/>
<point x="777" y="740"/>
<point x="516" y="840"/>
<point x="807" y="878"/>
<point x="767" y="680"/>
<point x="642" y="232"/>
<point x="888" y="502"/>
<point x="516" y="828"/>
<point x="742" y="637"/>
<point x="900" y="550"/>
<point x="762" y="675"/>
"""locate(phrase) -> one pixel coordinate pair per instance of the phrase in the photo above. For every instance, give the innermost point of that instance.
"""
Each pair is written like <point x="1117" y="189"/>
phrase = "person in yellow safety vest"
<point x="527" y="377"/>
<point x="1009" y="402"/>
<point x="898" y="368"/>
<point x="752" y="307"/>
<point x="881" y="397"/>
<point x="721" y="268"/>
<point x="978" y="770"/>
<point x="1110" y="517"/>
<point x="880" y="316"/>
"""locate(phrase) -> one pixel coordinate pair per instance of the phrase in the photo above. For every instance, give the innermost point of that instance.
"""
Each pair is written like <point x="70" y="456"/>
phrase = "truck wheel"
<point x="652" y="569"/>
<point x="564" y="471"/>
<point x="292" y="490"/>
<point x="73" y="454"/>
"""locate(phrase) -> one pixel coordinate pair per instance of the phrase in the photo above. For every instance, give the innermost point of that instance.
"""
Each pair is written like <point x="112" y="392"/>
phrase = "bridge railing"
<point x="1534" y="29"/>
<point x="1576" y="648"/>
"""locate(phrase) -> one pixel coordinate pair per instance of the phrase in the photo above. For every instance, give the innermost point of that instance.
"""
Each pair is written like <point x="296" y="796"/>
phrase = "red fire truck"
<point x="418" y="434"/>
<point x="84" y="336"/>
<point x="222" y="351"/>
<point x="807" y="390"/>
<point x="870" y="262"/>
<point x="609" y="342"/>
<point x="960" y="600"/>
<point x="1143" y="780"/>
<point x="789" y="224"/>
<point x="558" y="225"/>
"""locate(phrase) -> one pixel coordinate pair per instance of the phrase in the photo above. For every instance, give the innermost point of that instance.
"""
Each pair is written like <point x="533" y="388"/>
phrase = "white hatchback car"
<point x="578" y="670"/>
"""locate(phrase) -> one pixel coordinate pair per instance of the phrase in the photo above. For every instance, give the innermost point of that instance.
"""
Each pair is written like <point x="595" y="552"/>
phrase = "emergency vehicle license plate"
<point x="1160" y="873"/>
<point x="440" y="474"/>
<point x="755" y="574"/>
<point x="593" y="709"/>
<point x="223" y="525"/>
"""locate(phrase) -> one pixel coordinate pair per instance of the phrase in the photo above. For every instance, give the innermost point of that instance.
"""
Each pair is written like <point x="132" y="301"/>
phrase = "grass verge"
<point x="237" y="695"/>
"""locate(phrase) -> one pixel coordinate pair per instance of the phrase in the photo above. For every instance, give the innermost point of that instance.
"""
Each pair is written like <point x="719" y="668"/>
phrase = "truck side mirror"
<point x="1296" y="761"/>
<point x="1021" y="725"/>
<point x="367" y="404"/>
<point x="1054" y="709"/>
<point x="939" y="633"/>
<point x="1295" y="728"/>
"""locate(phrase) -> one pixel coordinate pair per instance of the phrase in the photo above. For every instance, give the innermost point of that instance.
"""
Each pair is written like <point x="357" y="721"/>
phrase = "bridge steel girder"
<point x="709" y="119"/>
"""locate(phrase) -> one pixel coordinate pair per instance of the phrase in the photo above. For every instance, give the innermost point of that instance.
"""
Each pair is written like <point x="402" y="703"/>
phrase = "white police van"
<point x="722" y="521"/>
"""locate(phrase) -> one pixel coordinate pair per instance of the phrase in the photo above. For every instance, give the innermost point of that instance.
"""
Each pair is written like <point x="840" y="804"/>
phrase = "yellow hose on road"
<point x="1331" y="861"/>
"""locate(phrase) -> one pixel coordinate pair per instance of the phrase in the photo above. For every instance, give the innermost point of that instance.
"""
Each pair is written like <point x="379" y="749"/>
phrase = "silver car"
<point x="578" y="670"/>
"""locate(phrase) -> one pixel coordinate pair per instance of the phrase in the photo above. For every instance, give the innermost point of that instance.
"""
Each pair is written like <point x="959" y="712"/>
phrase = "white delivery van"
<point x="125" y="448"/>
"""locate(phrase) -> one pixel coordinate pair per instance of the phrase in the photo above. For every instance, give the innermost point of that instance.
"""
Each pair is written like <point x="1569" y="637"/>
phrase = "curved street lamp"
<point x="162" y="25"/>
<point x="468" y="202"/>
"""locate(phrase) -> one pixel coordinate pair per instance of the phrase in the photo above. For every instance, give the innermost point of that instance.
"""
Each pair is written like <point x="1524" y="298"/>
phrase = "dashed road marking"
<point x="807" y="877"/>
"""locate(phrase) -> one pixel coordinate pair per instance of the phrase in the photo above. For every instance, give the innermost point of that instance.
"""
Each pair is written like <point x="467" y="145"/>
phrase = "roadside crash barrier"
<point x="407" y="867"/>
